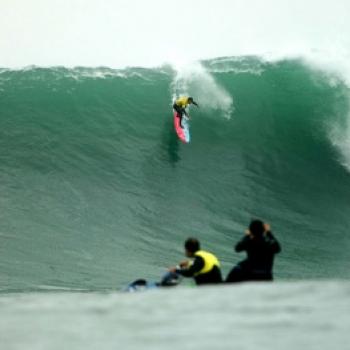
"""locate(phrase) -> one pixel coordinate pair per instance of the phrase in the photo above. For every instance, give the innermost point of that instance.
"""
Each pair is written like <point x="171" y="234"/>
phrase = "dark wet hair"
<point x="192" y="245"/>
<point x="257" y="228"/>
<point x="190" y="99"/>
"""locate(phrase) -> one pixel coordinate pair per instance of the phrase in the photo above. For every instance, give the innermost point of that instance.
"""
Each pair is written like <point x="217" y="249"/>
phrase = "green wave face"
<point x="96" y="189"/>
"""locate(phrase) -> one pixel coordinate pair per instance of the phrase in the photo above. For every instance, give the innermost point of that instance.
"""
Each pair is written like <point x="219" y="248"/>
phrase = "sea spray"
<point x="193" y="79"/>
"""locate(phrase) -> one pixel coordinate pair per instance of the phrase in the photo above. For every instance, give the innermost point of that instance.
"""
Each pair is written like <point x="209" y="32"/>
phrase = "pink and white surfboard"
<point x="182" y="132"/>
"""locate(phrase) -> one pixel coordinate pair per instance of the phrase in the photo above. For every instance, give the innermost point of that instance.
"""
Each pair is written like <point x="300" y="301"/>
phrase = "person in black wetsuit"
<point x="205" y="268"/>
<point x="261" y="247"/>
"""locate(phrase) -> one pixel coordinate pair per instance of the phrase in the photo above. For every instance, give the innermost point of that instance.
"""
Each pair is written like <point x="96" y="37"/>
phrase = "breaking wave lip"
<point x="238" y="65"/>
<point x="87" y="72"/>
<point x="333" y="60"/>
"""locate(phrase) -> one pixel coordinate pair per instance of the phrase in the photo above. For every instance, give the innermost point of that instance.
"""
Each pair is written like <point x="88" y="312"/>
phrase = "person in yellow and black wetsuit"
<point x="180" y="106"/>
<point x="205" y="268"/>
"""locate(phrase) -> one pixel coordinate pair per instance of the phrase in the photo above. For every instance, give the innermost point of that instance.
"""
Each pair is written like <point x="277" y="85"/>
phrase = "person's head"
<point x="191" y="101"/>
<point x="192" y="245"/>
<point x="256" y="228"/>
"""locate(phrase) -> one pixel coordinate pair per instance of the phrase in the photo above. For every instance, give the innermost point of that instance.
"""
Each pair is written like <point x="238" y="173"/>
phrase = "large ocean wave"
<point x="97" y="190"/>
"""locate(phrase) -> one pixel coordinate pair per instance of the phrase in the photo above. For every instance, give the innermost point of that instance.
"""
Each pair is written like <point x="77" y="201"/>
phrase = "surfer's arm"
<point x="272" y="242"/>
<point x="197" y="265"/>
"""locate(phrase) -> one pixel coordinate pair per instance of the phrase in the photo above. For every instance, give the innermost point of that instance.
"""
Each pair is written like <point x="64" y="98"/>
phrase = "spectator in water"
<point x="261" y="247"/>
<point x="205" y="268"/>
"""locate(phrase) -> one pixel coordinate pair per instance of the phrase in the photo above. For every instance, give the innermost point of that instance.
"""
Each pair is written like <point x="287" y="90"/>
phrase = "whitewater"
<point x="97" y="191"/>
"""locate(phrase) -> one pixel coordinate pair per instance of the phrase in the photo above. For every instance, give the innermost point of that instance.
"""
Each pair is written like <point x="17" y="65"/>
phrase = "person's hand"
<point x="172" y="269"/>
<point x="248" y="233"/>
<point x="184" y="264"/>
<point x="267" y="227"/>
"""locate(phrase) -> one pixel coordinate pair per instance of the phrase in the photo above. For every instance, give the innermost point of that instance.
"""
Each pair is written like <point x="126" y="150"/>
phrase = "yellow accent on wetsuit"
<point x="182" y="102"/>
<point x="210" y="260"/>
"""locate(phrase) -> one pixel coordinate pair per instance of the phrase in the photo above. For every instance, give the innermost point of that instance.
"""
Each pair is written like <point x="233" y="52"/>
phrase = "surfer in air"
<point x="180" y="107"/>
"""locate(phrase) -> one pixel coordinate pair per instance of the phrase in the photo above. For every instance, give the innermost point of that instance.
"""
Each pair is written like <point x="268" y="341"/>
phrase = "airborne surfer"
<point x="180" y="106"/>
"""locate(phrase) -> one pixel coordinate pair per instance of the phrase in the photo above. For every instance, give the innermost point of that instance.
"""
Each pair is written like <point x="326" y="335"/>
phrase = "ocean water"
<point x="97" y="191"/>
<point x="284" y="315"/>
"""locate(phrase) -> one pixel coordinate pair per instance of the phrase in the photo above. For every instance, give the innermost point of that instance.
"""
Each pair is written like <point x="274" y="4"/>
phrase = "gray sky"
<point x="120" y="33"/>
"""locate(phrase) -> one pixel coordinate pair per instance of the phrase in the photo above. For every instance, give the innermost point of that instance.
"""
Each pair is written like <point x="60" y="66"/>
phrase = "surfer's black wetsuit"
<point x="259" y="262"/>
<point x="213" y="276"/>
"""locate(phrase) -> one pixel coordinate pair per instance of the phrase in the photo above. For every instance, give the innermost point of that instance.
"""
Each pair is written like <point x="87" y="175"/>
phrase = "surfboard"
<point x="170" y="279"/>
<point x="184" y="132"/>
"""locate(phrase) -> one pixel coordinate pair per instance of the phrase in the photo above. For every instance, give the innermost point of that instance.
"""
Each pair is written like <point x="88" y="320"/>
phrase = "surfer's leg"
<point x="181" y="116"/>
<point x="237" y="274"/>
<point x="180" y="122"/>
<point x="179" y="112"/>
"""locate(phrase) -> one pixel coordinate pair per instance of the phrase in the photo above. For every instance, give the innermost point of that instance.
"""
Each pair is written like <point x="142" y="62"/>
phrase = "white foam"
<point x="281" y="315"/>
<point x="194" y="80"/>
<point x="339" y="135"/>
